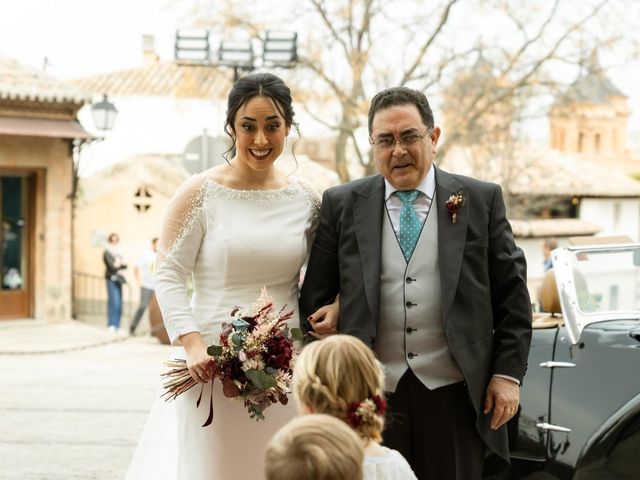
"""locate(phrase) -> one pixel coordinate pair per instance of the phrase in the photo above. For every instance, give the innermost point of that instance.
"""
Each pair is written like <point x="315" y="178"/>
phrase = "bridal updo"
<point x="340" y="376"/>
<point x="254" y="85"/>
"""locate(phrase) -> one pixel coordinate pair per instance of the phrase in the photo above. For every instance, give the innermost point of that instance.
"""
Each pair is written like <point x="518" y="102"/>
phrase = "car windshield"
<point x="607" y="280"/>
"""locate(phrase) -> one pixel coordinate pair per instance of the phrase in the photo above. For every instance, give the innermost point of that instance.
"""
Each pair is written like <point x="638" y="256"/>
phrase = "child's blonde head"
<point x="341" y="377"/>
<point x="314" y="447"/>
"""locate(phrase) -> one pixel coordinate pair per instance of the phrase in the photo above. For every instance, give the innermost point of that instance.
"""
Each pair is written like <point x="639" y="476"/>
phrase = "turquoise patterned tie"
<point x="410" y="225"/>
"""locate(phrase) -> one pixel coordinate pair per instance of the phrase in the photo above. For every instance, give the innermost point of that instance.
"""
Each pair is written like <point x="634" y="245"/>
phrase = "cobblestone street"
<point x="75" y="413"/>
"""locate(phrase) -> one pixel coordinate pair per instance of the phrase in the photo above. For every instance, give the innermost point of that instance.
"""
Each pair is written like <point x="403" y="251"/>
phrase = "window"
<point x="142" y="199"/>
<point x="580" y="141"/>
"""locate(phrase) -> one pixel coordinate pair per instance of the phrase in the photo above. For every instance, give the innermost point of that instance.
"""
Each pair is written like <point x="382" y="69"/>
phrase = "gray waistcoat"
<point x="410" y="332"/>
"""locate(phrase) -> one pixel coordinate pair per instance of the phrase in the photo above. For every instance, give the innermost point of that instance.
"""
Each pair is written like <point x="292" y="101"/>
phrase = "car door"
<point x="600" y="374"/>
<point x="527" y="442"/>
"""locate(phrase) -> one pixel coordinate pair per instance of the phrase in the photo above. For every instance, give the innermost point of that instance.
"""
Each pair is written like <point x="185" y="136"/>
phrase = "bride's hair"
<point x="259" y="85"/>
<point x="320" y="447"/>
<point x="341" y="377"/>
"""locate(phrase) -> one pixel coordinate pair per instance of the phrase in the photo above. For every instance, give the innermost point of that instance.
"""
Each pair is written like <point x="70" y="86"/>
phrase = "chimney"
<point x="149" y="55"/>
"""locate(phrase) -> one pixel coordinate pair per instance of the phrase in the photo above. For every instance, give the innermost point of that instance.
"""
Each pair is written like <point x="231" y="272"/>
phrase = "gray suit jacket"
<point x="486" y="310"/>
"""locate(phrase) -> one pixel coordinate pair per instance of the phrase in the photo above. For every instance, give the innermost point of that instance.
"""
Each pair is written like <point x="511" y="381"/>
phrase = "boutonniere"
<point x="456" y="201"/>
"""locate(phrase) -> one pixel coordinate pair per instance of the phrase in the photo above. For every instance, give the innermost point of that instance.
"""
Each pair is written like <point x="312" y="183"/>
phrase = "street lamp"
<point x="104" y="114"/>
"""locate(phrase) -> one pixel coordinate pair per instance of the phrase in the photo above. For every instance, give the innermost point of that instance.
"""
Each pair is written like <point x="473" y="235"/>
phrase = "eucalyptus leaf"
<point x="296" y="334"/>
<point x="214" y="350"/>
<point x="236" y="338"/>
<point x="261" y="379"/>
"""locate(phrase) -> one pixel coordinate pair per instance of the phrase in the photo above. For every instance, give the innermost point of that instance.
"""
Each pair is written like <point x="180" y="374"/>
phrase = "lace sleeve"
<point x="314" y="212"/>
<point x="183" y="227"/>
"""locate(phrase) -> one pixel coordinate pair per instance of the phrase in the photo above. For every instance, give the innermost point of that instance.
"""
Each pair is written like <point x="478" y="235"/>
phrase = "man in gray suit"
<point x="428" y="274"/>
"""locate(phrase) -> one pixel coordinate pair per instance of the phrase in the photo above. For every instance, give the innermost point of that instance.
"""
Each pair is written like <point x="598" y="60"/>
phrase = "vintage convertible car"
<point x="579" y="415"/>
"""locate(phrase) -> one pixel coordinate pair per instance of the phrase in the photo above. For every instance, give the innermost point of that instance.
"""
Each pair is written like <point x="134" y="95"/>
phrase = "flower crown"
<point x="364" y="412"/>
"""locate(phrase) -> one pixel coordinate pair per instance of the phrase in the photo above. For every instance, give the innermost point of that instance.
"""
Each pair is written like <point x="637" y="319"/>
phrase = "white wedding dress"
<point x="233" y="243"/>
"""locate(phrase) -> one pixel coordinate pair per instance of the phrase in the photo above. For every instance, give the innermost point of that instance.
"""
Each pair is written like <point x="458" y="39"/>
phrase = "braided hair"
<point x="340" y="376"/>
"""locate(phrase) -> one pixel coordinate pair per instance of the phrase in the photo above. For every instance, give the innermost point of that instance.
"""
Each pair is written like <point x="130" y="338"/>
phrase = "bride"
<point x="235" y="228"/>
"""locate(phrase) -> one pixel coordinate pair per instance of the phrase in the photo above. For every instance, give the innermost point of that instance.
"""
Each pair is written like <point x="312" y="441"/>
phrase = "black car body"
<point x="579" y="415"/>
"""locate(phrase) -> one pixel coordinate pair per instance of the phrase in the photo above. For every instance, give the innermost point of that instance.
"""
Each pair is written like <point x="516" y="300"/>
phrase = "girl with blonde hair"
<point x="314" y="447"/>
<point x="341" y="377"/>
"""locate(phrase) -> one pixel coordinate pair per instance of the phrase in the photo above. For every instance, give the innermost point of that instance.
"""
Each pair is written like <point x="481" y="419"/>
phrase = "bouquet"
<point x="254" y="360"/>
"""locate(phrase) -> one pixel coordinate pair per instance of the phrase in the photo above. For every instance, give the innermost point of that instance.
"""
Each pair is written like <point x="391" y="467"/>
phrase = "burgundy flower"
<point x="232" y="370"/>
<point x="252" y="321"/>
<point x="454" y="202"/>
<point x="362" y="412"/>
<point x="279" y="351"/>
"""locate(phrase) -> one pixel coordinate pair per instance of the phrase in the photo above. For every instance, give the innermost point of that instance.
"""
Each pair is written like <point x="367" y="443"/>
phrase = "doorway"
<point x="16" y="245"/>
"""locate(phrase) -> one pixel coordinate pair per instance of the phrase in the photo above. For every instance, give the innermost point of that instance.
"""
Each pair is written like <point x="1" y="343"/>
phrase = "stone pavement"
<point x="73" y="399"/>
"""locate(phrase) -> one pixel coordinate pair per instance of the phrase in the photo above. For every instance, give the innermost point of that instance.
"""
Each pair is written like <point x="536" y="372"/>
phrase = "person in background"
<point x="340" y="376"/>
<point x="114" y="264"/>
<point x="548" y="246"/>
<point x="318" y="447"/>
<point x="143" y="271"/>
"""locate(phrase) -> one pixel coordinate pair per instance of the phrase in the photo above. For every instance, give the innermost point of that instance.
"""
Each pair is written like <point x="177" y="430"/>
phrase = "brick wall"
<point x="50" y="161"/>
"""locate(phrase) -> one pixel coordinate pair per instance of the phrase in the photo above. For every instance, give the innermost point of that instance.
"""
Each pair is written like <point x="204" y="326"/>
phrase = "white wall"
<point x="144" y="125"/>
<point x="617" y="216"/>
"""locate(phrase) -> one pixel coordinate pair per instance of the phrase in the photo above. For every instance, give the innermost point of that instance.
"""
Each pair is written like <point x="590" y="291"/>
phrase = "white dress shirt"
<point x="427" y="189"/>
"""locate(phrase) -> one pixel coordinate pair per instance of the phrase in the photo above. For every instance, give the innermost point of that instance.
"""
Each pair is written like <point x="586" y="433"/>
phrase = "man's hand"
<point x="503" y="397"/>
<point x="324" y="321"/>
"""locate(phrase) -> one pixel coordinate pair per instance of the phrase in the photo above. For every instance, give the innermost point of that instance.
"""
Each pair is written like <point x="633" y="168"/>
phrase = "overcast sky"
<point x="85" y="37"/>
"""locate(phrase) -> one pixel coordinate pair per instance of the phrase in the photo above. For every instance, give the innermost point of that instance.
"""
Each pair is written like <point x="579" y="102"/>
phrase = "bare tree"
<point x="352" y="48"/>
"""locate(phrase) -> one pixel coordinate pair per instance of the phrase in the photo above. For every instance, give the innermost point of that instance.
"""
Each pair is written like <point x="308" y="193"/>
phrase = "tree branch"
<point x="443" y="20"/>
<point x="311" y="65"/>
<point x="320" y="120"/>
<point x="329" y="24"/>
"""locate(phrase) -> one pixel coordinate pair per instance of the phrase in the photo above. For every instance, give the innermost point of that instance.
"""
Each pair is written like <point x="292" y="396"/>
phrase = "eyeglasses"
<point x="406" y="140"/>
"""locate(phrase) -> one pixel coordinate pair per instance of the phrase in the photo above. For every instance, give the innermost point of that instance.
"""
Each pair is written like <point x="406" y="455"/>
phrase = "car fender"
<point x="608" y="434"/>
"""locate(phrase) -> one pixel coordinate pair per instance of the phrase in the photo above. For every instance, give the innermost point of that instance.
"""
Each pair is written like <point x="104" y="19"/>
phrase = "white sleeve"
<point x="183" y="228"/>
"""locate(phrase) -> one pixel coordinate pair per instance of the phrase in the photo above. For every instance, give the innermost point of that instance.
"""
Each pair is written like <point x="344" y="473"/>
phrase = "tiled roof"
<point x="19" y="82"/>
<point x="548" y="173"/>
<point x="553" y="227"/>
<point x="164" y="79"/>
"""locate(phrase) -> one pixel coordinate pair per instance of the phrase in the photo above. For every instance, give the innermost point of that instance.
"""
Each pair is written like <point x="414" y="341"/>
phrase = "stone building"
<point x="128" y="198"/>
<point x="38" y="131"/>
<point x="577" y="186"/>
<point x="590" y="119"/>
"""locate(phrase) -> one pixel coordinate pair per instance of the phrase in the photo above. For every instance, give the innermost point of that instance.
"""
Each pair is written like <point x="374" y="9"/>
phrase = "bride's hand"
<point x="324" y="321"/>
<point x="199" y="362"/>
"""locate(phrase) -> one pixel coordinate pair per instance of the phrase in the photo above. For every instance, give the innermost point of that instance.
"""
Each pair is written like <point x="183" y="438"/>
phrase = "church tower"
<point x="591" y="117"/>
